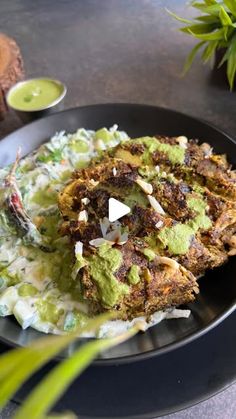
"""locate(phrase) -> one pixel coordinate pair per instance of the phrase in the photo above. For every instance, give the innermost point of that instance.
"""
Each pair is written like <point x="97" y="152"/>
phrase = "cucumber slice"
<point x="70" y="322"/>
<point x="24" y="313"/>
<point x="8" y="300"/>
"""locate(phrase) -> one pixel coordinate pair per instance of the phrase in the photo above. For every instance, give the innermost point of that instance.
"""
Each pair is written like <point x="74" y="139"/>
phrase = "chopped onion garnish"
<point x="113" y="128"/>
<point x="232" y="252"/>
<point x="207" y="149"/>
<point x="98" y="242"/>
<point x="159" y="224"/>
<point x="93" y="182"/>
<point x="79" y="248"/>
<point x="85" y="201"/>
<point x="183" y="141"/>
<point x="83" y="216"/>
<point x="99" y="145"/>
<point x="104" y="224"/>
<point x="157" y="168"/>
<point x="155" y="205"/>
<point x="114" y="171"/>
<point x="146" y="187"/>
<point x="167" y="261"/>
<point x="114" y="236"/>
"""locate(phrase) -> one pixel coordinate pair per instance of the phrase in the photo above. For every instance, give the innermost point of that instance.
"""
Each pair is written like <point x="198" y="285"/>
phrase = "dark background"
<point x="120" y="51"/>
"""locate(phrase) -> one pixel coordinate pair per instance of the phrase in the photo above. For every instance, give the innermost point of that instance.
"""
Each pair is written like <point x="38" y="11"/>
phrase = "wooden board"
<point x="11" y="68"/>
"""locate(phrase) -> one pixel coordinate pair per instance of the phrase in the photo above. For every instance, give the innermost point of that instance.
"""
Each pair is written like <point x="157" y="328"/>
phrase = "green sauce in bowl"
<point x="35" y="94"/>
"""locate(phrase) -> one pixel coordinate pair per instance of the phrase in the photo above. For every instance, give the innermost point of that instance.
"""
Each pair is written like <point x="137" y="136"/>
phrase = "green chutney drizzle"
<point x="133" y="275"/>
<point x="178" y="237"/>
<point x="102" y="267"/>
<point x="175" y="153"/>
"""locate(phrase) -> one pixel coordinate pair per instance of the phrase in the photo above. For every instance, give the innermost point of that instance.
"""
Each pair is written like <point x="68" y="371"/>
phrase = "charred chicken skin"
<point x="182" y="222"/>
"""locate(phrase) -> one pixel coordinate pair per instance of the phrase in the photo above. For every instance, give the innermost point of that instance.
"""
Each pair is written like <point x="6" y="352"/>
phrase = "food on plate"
<point x="62" y="260"/>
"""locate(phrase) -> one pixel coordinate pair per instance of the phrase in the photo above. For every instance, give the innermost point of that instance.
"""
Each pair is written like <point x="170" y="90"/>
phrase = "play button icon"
<point x="116" y="209"/>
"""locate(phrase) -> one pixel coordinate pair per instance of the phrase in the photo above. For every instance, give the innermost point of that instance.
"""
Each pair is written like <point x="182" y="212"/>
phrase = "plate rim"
<point x="223" y="384"/>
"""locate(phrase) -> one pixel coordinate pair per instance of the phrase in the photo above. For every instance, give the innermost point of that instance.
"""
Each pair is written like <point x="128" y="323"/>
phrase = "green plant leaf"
<point x="214" y="36"/>
<point x="208" y="19"/>
<point x="226" y="32"/>
<point x="209" y="50"/>
<point x="198" y="28"/>
<point x="10" y="360"/>
<point x="19" y="364"/>
<point x="231" y="6"/>
<point x="210" y="2"/>
<point x="231" y="70"/>
<point x="222" y="44"/>
<point x="176" y="17"/>
<point x="224" y="17"/>
<point x="224" y="58"/>
<point x="231" y="62"/>
<point x="191" y="56"/>
<point x="213" y="9"/>
<point x="59" y="379"/>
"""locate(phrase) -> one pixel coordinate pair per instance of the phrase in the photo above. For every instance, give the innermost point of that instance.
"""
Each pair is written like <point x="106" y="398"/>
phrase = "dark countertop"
<point x="120" y="51"/>
<point x="115" y="51"/>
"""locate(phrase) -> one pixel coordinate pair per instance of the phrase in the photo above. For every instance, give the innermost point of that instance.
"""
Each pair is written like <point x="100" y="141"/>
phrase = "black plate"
<point x="156" y="386"/>
<point x="218" y="288"/>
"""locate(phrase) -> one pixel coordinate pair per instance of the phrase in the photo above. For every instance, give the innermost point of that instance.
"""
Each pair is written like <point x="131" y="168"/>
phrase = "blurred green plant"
<point x="216" y="30"/>
<point x="18" y="365"/>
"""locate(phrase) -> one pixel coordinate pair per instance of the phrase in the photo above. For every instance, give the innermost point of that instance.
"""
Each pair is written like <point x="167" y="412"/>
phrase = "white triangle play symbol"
<point x="116" y="209"/>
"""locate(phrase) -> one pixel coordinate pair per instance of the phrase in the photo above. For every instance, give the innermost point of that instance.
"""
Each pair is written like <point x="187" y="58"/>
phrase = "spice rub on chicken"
<point x="182" y="222"/>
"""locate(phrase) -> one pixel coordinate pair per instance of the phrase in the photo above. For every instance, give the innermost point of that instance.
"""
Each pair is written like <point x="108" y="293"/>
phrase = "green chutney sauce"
<point x="35" y="94"/>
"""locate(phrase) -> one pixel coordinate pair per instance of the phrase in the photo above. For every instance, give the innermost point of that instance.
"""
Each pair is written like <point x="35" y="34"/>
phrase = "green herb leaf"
<point x="231" y="6"/>
<point x="180" y="19"/>
<point x="209" y="50"/>
<point x="55" y="156"/>
<point x="231" y="70"/>
<point x="214" y="36"/>
<point x="224" y="17"/>
<point x="208" y="19"/>
<point x="210" y="2"/>
<point x="213" y="9"/>
<point x="58" y="380"/>
<point x="231" y="63"/>
<point x="198" y="28"/>
<point x="216" y="28"/>
<point x="224" y="58"/>
<point x="226" y="31"/>
<point x="191" y="56"/>
<point x="18" y="365"/>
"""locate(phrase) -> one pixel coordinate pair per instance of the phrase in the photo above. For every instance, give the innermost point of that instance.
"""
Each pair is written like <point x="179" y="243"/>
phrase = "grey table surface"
<point x="120" y="51"/>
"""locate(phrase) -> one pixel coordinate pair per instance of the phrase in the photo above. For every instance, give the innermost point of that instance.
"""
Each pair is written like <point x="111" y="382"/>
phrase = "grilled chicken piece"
<point x="173" y="197"/>
<point x="209" y="169"/>
<point x="193" y="203"/>
<point x="143" y="219"/>
<point x="96" y="183"/>
<point x="198" y="163"/>
<point x="163" y="284"/>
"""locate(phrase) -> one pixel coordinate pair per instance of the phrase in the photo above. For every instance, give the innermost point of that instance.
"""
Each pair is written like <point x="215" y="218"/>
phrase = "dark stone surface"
<point x="120" y="51"/>
<point x="115" y="51"/>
